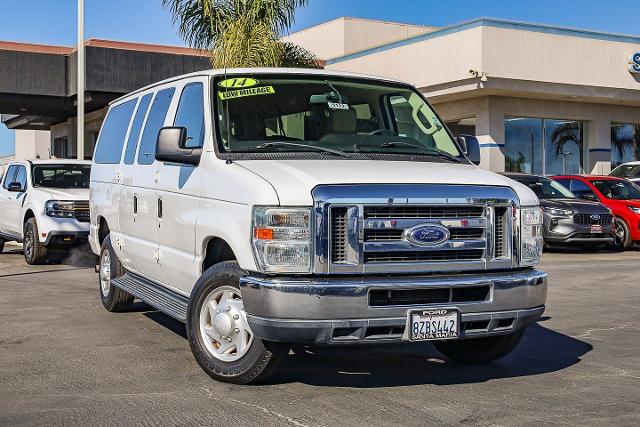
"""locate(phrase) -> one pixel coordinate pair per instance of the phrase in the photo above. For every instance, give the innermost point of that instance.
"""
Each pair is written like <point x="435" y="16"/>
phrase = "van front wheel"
<point x="220" y="337"/>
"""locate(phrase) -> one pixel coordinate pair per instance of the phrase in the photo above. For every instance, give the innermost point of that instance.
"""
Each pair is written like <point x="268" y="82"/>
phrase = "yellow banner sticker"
<point x="238" y="82"/>
<point x="253" y="91"/>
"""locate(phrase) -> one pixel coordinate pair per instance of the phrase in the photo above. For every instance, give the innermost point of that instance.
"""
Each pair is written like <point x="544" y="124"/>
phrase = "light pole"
<point x="80" y="79"/>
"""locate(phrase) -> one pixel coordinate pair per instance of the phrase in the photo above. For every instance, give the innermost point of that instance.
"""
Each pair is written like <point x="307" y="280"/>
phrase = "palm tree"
<point x="241" y="33"/>
<point x="566" y="133"/>
<point x="621" y="140"/>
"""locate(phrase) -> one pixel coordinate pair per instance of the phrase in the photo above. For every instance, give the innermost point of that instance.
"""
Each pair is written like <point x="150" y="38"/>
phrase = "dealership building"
<point x="541" y="99"/>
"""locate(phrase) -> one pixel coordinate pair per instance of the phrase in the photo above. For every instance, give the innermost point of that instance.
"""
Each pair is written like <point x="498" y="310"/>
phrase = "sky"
<point x="54" y="21"/>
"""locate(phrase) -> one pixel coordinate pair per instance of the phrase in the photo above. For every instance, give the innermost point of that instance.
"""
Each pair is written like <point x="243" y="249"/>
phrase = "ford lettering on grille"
<point x="427" y="235"/>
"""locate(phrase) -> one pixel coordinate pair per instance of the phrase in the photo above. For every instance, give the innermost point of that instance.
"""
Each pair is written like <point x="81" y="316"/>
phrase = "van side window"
<point x="21" y="176"/>
<point x="9" y="176"/>
<point x="136" y="127"/>
<point x="111" y="138"/>
<point x="155" y="120"/>
<point x="190" y="114"/>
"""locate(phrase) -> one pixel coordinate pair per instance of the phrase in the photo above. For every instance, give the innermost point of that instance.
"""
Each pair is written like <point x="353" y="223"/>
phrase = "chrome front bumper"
<point x="328" y="310"/>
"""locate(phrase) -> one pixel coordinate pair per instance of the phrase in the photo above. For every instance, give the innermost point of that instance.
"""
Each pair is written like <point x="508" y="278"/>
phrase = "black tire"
<point x="113" y="298"/>
<point x="622" y="236"/>
<point x="35" y="253"/>
<point x="261" y="357"/>
<point x="479" y="350"/>
<point x="1" y="245"/>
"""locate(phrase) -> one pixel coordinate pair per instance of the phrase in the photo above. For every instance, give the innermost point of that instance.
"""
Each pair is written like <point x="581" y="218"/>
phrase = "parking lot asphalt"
<point x="65" y="360"/>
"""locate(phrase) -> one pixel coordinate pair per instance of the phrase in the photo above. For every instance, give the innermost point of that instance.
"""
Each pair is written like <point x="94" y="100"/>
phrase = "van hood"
<point x="66" y="193"/>
<point x="294" y="180"/>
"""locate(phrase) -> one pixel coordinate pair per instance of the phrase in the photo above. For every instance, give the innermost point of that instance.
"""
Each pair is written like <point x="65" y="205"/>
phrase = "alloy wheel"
<point x="28" y="243"/>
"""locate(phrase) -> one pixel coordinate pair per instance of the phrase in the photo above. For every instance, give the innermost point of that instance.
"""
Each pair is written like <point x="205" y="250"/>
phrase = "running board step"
<point x="169" y="302"/>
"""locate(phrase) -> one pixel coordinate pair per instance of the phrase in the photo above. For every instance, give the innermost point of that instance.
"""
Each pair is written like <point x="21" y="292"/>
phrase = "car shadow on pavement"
<point x="542" y="350"/>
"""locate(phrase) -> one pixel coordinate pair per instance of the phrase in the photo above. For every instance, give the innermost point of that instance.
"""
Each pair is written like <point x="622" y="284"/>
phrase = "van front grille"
<point x="423" y="296"/>
<point x="423" y="256"/>
<point x="500" y="243"/>
<point x="339" y="221"/>
<point x="423" y="211"/>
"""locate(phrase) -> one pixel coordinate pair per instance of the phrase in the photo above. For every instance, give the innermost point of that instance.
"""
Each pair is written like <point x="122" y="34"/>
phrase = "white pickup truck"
<point x="45" y="205"/>
<point x="270" y="207"/>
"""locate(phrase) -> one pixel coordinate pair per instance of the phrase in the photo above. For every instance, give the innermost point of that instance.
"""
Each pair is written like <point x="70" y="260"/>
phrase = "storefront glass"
<point x="625" y="143"/>
<point x="563" y="153"/>
<point x="543" y="146"/>
<point x="523" y="145"/>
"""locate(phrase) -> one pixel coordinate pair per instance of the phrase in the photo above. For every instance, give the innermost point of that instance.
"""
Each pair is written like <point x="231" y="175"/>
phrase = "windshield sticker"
<point x="338" y="106"/>
<point x="240" y="93"/>
<point x="238" y="82"/>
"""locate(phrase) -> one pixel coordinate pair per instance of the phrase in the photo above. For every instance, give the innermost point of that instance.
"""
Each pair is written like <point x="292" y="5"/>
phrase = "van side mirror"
<point x="470" y="147"/>
<point x="171" y="147"/>
<point x="15" y="187"/>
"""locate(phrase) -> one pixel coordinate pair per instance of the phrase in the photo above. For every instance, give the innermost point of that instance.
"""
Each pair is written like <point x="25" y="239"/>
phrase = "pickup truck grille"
<point x="81" y="211"/>
<point x="376" y="234"/>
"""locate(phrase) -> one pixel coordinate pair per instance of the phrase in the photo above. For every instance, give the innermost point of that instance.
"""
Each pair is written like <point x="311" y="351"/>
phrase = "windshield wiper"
<point x="425" y="150"/>
<point x="293" y="144"/>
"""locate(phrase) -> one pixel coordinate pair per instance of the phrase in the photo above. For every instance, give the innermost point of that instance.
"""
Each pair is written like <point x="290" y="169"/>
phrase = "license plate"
<point x="435" y="324"/>
<point x="596" y="228"/>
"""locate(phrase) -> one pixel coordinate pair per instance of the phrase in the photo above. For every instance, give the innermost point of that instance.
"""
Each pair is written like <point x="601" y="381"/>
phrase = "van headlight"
<point x="530" y="236"/>
<point x="59" y="209"/>
<point x="281" y="239"/>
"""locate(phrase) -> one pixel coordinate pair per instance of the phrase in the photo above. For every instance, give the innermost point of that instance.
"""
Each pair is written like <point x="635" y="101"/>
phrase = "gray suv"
<point x="569" y="220"/>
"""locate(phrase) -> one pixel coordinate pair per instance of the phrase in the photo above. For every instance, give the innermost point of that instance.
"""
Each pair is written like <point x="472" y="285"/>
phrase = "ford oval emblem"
<point x="427" y="234"/>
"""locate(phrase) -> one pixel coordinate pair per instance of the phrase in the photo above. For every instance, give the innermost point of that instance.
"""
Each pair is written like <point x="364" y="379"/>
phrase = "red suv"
<point x="619" y="195"/>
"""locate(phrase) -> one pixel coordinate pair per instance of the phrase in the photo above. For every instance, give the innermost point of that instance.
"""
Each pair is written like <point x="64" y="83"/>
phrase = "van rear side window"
<point x="136" y="127"/>
<point x="155" y="121"/>
<point x="114" y="130"/>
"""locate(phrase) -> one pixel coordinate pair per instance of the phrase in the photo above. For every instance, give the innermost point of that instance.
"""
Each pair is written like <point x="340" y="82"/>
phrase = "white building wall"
<point x="32" y="144"/>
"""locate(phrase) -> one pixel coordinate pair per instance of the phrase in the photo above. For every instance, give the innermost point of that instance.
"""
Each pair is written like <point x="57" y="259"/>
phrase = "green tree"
<point x="623" y="139"/>
<point x="241" y="33"/>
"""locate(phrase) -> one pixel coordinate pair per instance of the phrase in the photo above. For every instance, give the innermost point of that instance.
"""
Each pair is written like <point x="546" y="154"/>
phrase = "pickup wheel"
<point x="479" y="350"/>
<point x="113" y="298"/>
<point x="220" y="337"/>
<point x="34" y="252"/>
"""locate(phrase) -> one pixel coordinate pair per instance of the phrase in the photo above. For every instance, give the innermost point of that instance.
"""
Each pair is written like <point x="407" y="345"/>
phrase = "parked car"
<point x="569" y="220"/>
<point x="619" y="195"/>
<point x="258" y="207"/>
<point x="45" y="205"/>
<point x="630" y="171"/>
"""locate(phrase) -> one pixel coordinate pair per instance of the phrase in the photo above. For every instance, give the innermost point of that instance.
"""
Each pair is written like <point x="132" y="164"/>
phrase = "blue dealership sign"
<point x="634" y="63"/>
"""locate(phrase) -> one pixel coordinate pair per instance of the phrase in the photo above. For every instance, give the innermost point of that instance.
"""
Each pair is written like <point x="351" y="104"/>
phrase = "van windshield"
<point x="333" y="116"/>
<point x="61" y="176"/>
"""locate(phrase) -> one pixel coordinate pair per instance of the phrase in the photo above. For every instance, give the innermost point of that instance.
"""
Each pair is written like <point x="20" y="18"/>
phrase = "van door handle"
<point x="135" y="203"/>
<point x="159" y="208"/>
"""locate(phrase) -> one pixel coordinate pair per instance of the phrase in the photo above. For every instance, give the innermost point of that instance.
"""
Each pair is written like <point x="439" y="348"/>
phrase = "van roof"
<point x="52" y="162"/>
<point x="260" y="70"/>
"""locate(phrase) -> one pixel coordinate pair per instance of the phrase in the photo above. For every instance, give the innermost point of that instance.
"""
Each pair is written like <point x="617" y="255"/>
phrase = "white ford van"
<point x="266" y="207"/>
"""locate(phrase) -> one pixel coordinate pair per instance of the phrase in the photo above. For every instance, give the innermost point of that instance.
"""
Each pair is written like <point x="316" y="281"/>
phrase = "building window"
<point x="462" y="127"/>
<point x="625" y="143"/>
<point x="63" y="148"/>
<point x="544" y="146"/>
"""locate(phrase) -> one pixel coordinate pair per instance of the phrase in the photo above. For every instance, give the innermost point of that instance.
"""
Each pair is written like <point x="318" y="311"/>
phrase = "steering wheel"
<point x="382" y="132"/>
